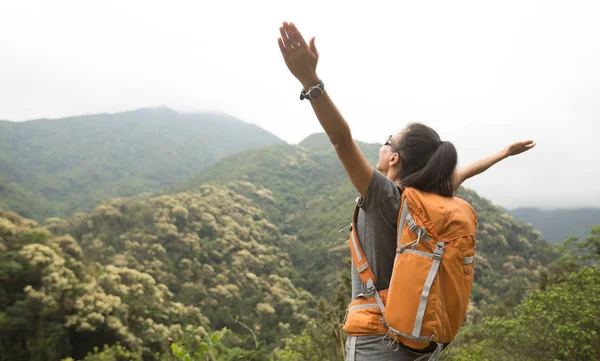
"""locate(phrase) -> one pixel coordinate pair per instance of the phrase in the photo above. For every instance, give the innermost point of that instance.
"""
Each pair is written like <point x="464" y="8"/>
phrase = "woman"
<point x="415" y="157"/>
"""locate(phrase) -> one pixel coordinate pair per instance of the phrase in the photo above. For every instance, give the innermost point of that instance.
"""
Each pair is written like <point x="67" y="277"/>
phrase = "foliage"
<point x="115" y="352"/>
<point x="207" y="351"/>
<point x="211" y="248"/>
<point x="54" y="303"/>
<point x="321" y="339"/>
<point x="561" y="321"/>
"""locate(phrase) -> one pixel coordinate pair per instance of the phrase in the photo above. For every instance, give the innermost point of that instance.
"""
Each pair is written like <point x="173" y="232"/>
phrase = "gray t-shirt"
<point x="376" y="229"/>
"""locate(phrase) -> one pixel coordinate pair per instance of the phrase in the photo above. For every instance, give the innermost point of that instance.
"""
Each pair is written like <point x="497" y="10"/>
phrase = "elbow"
<point x="340" y="139"/>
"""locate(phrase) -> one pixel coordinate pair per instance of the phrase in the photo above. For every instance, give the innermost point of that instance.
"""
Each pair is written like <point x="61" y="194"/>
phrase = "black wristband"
<point x="316" y="90"/>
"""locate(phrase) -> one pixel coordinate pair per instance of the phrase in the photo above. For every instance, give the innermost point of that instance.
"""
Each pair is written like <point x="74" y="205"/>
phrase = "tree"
<point x="560" y="321"/>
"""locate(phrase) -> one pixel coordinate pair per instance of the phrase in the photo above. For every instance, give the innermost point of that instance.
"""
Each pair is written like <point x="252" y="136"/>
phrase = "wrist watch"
<point x="314" y="92"/>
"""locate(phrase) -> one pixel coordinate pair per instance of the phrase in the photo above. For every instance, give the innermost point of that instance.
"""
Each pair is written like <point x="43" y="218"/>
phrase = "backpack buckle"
<point x="371" y="286"/>
<point x="439" y="251"/>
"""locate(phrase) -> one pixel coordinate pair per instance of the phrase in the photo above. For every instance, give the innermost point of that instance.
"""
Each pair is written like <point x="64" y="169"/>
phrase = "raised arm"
<point x="482" y="165"/>
<point x="301" y="59"/>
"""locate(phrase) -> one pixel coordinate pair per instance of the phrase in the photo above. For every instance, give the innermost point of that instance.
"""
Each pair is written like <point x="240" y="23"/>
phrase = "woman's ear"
<point x="395" y="159"/>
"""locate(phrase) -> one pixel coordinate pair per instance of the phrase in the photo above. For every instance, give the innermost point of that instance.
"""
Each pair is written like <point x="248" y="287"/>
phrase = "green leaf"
<point x="181" y="351"/>
<point x="187" y="358"/>
<point x="204" y="346"/>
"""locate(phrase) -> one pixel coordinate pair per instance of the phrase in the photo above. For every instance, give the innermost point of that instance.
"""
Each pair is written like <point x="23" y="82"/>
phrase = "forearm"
<point x="480" y="166"/>
<point x="356" y="165"/>
<point x="331" y="119"/>
<point x="327" y="113"/>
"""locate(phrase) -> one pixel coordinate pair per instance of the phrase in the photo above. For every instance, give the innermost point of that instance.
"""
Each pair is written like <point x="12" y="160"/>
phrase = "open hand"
<point x="300" y="58"/>
<point x="519" y="147"/>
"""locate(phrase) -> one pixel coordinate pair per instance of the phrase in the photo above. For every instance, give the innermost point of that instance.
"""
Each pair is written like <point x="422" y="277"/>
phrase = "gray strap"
<point x="346" y="228"/>
<point x="351" y="348"/>
<point x="356" y="250"/>
<point x="469" y="260"/>
<point x="402" y="220"/>
<point x="363" y="306"/>
<point x="405" y="335"/>
<point x="363" y="267"/>
<point x="379" y="302"/>
<point x="437" y="258"/>
<point x="410" y="250"/>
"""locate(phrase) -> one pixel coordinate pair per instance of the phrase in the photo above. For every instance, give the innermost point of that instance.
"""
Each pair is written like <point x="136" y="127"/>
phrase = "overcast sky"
<point x="482" y="73"/>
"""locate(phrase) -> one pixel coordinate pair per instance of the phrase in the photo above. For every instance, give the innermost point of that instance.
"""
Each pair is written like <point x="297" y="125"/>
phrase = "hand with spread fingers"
<point x="519" y="147"/>
<point x="300" y="58"/>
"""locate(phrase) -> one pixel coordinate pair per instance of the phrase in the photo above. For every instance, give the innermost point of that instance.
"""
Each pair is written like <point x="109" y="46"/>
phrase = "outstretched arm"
<point x="301" y="59"/>
<point x="482" y="165"/>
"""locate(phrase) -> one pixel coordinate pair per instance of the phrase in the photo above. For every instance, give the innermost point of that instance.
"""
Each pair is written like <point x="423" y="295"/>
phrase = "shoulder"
<point x="381" y="189"/>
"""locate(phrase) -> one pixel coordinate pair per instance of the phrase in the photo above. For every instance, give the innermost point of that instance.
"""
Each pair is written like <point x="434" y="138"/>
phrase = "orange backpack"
<point x="431" y="280"/>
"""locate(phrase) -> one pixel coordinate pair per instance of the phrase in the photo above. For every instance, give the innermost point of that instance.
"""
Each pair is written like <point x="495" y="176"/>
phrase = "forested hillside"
<point x="142" y="270"/>
<point x="252" y="245"/>
<point x="53" y="167"/>
<point x="313" y="200"/>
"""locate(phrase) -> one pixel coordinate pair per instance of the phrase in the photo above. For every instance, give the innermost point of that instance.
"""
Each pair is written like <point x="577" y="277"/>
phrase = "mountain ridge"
<point x="53" y="167"/>
<point x="558" y="224"/>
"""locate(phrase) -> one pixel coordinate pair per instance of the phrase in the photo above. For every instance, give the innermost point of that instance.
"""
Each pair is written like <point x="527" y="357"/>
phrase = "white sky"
<point x="482" y="73"/>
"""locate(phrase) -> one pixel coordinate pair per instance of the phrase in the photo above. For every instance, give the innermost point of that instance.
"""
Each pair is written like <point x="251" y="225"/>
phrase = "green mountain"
<point x="559" y="224"/>
<point x="251" y="244"/>
<point x="53" y="167"/>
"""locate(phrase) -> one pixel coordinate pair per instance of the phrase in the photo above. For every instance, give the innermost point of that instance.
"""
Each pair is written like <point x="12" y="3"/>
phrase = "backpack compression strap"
<point x="362" y="265"/>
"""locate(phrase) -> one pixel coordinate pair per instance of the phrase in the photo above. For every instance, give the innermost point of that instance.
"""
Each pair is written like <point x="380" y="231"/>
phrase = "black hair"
<point x="428" y="163"/>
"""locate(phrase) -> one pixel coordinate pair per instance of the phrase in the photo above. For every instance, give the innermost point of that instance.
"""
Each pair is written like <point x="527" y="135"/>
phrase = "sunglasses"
<point x="389" y="142"/>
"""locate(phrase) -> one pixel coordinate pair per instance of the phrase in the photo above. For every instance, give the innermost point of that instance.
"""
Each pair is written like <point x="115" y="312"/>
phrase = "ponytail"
<point x="428" y="163"/>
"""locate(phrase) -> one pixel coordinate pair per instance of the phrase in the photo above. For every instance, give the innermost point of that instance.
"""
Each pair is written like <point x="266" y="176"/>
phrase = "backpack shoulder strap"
<point x="358" y="256"/>
<point x="402" y="214"/>
<point x="405" y="218"/>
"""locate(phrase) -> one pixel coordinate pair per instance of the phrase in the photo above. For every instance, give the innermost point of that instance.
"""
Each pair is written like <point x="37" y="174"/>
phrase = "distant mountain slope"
<point x="52" y="167"/>
<point x="556" y="225"/>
